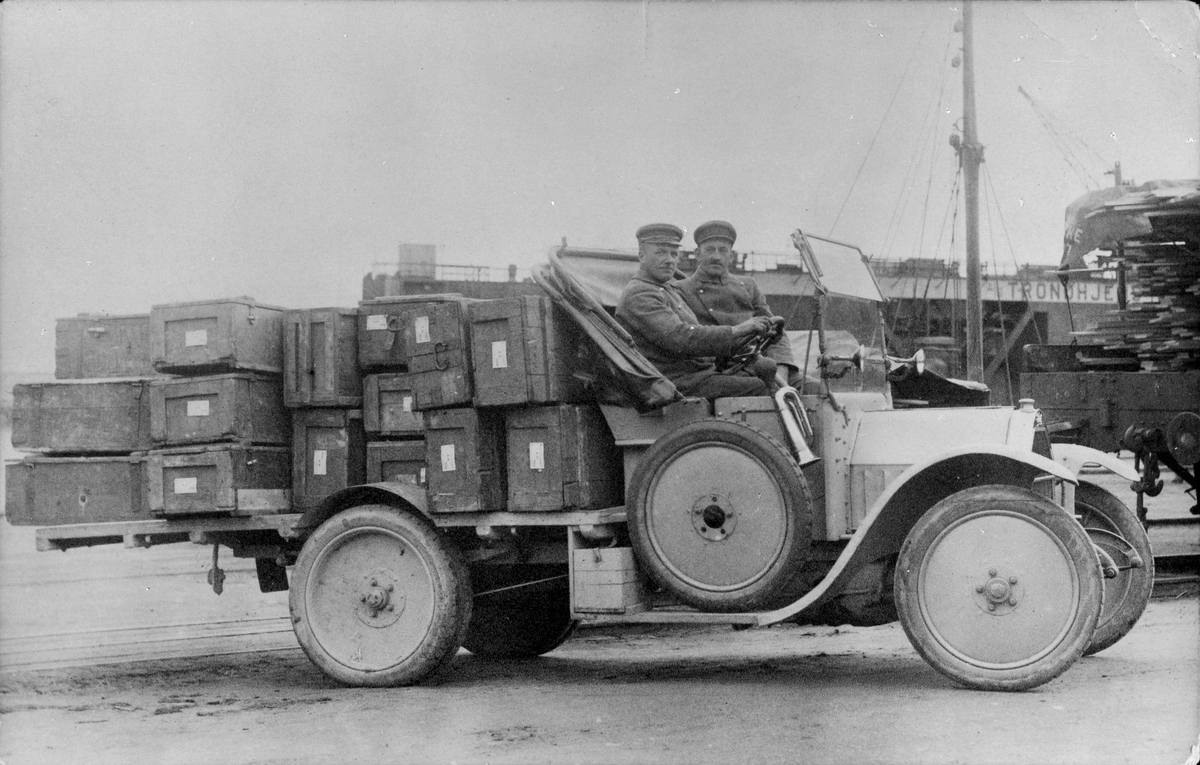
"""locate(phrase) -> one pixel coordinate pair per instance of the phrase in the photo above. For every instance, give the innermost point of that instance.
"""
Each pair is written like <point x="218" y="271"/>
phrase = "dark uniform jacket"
<point x="730" y="300"/>
<point x="668" y="334"/>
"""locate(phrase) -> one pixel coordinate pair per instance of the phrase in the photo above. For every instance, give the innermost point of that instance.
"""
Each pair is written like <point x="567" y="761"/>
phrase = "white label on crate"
<point x="185" y="485"/>
<point x="447" y="458"/>
<point x="421" y="329"/>
<point x="500" y="354"/>
<point x="196" y="337"/>
<point x="197" y="408"/>
<point x="377" y="321"/>
<point x="406" y="403"/>
<point x="422" y="476"/>
<point x="319" y="461"/>
<point x="537" y="455"/>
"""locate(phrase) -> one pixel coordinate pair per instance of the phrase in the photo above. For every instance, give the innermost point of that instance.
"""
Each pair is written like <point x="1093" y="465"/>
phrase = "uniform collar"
<point x="702" y="277"/>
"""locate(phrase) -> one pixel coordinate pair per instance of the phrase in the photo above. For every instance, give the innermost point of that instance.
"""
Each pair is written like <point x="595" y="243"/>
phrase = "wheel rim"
<point x="370" y="599"/>
<point x="716" y="517"/>
<point x="998" y="590"/>
<point x="1116" y="590"/>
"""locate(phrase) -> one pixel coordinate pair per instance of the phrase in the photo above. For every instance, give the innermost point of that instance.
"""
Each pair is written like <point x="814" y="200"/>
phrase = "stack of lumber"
<point x="1161" y="323"/>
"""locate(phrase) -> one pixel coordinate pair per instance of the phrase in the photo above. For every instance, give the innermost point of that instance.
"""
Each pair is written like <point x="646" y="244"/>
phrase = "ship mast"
<point x="971" y="157"/>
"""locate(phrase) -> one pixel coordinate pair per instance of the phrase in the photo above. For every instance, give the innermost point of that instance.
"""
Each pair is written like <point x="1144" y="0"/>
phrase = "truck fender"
<point x="386" y="493"/>
<point x="915" y="491"/>
<point x="1075" y="456"/>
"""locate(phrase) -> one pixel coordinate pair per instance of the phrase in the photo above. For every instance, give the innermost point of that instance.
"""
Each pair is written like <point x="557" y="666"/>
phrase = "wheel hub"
<point x="713" y="517"/>
<point x="378" y="604"/>
<point x="1000" y="594"/>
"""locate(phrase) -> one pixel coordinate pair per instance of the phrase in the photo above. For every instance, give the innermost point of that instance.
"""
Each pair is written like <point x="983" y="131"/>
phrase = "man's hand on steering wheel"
<point x="756" y="333"/>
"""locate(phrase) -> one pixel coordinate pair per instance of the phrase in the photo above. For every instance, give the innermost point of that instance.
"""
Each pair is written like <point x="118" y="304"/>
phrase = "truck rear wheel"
<point x="720" y="516"/>
<point x="378" y="597"/>
<point x="520" y="623"/>
<point x="998" y="588"/>
<point x="1126" y="595"/>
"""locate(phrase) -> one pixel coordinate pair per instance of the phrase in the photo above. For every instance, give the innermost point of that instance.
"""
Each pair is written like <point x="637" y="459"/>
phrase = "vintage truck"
<point x="821" y="504"/>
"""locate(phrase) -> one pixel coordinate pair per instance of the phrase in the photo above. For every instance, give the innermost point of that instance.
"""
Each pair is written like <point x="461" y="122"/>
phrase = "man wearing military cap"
<point x="718" y="297"/>
<point x="668" y="333"/>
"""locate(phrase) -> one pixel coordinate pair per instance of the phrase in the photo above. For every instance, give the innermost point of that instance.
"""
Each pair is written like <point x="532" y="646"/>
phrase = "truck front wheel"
<point x="379" y="598"/>
<point x="998" y="588"/>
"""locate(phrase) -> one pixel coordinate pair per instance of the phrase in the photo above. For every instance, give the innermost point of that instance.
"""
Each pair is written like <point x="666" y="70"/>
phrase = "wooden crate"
<point x="388" y="405"/>
<point x="381" y="321"/>
<point x="437" y="343"/>
<point x="211" y="336"/>
<point x="228" y="479"/>
<point x="464" y="457"/>
<point x="605" y="580"/>
<point x="320" y="358"/>
<point x="229" y="407"/>
<point x="396" y="461"/>
<point x="92" y="416"/>
<point x="53" y="491"/>
<point x="523" y="351"/>
<point x="328" y="453"/>
<point x="99" y="345"/>
<point x="561" y="457"/>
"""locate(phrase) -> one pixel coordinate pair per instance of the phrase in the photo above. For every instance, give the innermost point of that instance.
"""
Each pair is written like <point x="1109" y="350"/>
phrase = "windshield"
<point x="850" y="314"/>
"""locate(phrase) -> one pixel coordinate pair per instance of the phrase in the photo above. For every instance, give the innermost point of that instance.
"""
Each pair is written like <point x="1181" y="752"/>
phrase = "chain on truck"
<point x="490" y="474"/>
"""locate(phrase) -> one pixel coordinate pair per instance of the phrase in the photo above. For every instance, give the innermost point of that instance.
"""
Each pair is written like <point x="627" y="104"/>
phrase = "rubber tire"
<point x="940" y="539"/>
<point x="779" y="580"/>
<point x="333" y="626"/>
<point x="1126" y="596"/>
<point x="521" y="626"/>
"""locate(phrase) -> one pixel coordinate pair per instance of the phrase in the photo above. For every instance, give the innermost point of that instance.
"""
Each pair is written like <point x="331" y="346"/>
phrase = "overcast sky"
<point x="154" y="152"/>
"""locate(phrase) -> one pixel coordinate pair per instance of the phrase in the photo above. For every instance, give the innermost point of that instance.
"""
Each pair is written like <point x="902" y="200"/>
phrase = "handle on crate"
<point x="438" y="364"/>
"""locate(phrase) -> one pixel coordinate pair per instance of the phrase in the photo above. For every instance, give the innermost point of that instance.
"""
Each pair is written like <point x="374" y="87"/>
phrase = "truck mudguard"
<point x="385" y="493"/>
<point x="914" y="491"/>
<point x="1075" y="456"/>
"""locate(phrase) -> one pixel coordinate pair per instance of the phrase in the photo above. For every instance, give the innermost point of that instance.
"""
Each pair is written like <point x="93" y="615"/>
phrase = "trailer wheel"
<point x="378" y="597"/>
<point x="998" y="588"/>
<point x="1126" y="595"/>
<point x="520" y="625"/>
<point x="720" y="516"/>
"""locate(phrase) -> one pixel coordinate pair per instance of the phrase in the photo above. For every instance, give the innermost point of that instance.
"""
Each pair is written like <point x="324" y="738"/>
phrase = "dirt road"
<point x="650" y="695"/>
<point x="220" y="680"/>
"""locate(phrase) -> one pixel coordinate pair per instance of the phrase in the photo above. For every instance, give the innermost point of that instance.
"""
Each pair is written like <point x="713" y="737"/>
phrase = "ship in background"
<point x="926" y="302"/>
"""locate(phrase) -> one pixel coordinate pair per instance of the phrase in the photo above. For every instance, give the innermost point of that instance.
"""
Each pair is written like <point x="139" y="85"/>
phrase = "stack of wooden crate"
<point x="86" y="434"/>
<point x="231" y="407"/>
<point x="394" y="425"/>
<point x="323" y="389"/>
<point x="219" y="431"/>
<point x="489" y="387"/>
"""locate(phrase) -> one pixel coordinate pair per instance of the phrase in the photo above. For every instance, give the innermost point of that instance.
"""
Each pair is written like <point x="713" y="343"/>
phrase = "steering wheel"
<point x="754" y="346"/>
